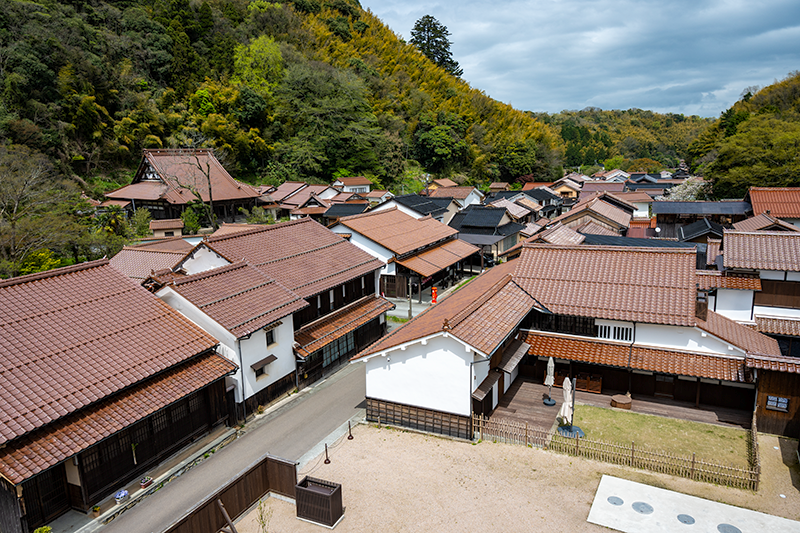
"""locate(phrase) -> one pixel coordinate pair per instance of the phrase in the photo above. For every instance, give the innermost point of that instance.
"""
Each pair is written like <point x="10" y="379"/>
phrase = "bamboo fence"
<point x="691" y="467"/>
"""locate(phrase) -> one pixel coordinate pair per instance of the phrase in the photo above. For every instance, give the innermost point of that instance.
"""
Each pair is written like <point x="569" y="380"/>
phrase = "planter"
<point x="145" y="482"/>
<point x="95" y="513"/>
<point x="121" y="496"/>
<point x="319" y="501"/>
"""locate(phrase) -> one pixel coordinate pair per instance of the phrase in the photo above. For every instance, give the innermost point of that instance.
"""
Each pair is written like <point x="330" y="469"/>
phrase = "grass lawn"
<point x="680" y="437"/>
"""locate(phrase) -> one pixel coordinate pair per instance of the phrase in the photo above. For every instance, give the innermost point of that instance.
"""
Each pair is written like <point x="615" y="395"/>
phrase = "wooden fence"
<point x="513" y="432"/>
<point x="268" y="474"/>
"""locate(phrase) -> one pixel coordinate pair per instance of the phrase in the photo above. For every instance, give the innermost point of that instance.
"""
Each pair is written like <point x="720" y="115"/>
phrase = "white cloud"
<point x="683" y="56"/>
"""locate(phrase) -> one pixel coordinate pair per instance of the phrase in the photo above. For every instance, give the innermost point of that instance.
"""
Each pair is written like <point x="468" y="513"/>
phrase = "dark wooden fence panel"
<point x="268" y="474"/>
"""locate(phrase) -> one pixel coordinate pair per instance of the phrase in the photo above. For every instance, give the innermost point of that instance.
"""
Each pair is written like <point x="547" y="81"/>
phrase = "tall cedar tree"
<point x="430" y="36"/>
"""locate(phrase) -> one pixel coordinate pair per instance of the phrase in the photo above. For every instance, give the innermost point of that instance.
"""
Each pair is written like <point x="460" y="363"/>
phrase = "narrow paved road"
<point x="288" y="432"/>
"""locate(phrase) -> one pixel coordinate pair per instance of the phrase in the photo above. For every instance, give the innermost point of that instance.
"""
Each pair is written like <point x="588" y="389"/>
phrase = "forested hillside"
<point x="301" y="90"/>
<point x="755" y="142"/>
<point x="632" y="140"/>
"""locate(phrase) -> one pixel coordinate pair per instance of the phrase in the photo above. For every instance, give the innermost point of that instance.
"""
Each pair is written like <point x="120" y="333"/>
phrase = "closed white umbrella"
<point x="565" y="413"/>
<point x="549" y="380"/>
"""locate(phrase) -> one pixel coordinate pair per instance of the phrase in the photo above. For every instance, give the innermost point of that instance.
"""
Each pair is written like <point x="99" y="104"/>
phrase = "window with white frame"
<point x="614" y="331"/>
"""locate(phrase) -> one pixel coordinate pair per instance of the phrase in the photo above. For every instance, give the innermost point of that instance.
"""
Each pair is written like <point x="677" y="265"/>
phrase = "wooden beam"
<point x="231" y="528"/>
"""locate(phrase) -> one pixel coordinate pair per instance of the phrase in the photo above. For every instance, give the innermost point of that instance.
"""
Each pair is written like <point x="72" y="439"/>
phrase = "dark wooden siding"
<point x="269" y="474"/>
<point x="419" y="418"/>
<point x="775" y="293"/>
<point x="10" y="512"/>
<point x="785" y="385"/>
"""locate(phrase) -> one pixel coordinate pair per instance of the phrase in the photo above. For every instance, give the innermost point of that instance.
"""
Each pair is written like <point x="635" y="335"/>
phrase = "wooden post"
<point x="693" y="459"/>
<point x="577" y="440"/>
<point x="231" y="528"/>
<point x="633" y="447"/>
<point x="480" y="422"/>
<point x="526" y="434"/>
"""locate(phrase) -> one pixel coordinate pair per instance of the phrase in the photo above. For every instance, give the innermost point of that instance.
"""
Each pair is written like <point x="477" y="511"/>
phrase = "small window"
<point x="260" y="371"/>
<point x="778" y="403"/>
<point x="331" y="297"/>
<point x="169" y="233"/>
<point x="270" y="337"/>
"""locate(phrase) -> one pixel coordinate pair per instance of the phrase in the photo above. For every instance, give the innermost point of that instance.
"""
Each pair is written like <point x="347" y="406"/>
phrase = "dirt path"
<point x="401" y="481"/>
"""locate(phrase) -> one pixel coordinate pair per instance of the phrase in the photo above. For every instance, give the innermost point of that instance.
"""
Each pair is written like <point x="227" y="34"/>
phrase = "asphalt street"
<point x="289" y="432"/>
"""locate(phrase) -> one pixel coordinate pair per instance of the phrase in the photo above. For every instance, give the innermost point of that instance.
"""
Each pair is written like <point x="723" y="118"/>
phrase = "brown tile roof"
<point x="460" y="193"/>
<point x="238" y="297"/>
<point x="536" y="184"/>
<point x="600" y="186"/>
<point x="77" y="334"/>
<point x="354" y="180"/>
<point x="762" y="250"/>
<point x="227" y="229"/>
<point x="560" y="234"/>
<point x="653" y="360"/>
<point x="444" y="182"/>
<point x="764" y="222"/>
<point x="600" y="210"/>
<point x="322" y="332"/>
<point x="76" y="432"/>
<point x="482" y="314"/>
<point x="594" y="228"/>
<point x="714" y="279"/>
<point x="607" y="197"/>
<point x="778" y="326"/>
<point x="634" y="197"/>
<point x="713" y="251"/>
<point x="738" y="335"/>
<point x="311" y="210"/>
<point x="302" y="255"/>
<point x="398" y="232"/>
<point x="302" y="196"/>
<point x="565" y="182"/>
<point x="516" y="210"/>
<point x="285" y="189"/>
<point x="529" y="204"/>
<point x="530" y="229"/>
<point x="439" y="257"/>
<point x="180" y="173"/>
<point x="138" y="263"/>
<point x="166" y="223"/>
<point x="776" y="364"/>
<point x="654" y="285"/>
<point x="168" y="244"/>
<point x="783" y="202"/>
<point x="376" y="193"/>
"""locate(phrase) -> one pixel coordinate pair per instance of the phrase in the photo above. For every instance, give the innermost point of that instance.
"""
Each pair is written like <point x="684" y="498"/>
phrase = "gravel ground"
<point x="394" y="480"/>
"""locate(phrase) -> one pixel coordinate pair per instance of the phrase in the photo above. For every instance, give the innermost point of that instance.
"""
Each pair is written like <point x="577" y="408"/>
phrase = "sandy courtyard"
<point x="393" y="480"/>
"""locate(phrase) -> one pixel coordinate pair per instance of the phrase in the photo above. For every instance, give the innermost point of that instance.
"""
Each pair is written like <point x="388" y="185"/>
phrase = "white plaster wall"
<point x="73" y="474"/>
<point x="472" y="199"/>
<point x="371" y="247"/>
<point x="433" y="376"/>
<point x="761" y="310"/>
<point x="204" y="259"/>
<point x="495" y="394"/>
<point x="509" y="379"/>
<point x="255" y="349"/>
<point x="793" y="276"/>
<point x="771" y="274"/>
<point x="712" y="302"/>
<point x="642" y="210"/>
<point x="684" y="338"/>
<point x="480" y="369"/>
<point x="734" y="304"/>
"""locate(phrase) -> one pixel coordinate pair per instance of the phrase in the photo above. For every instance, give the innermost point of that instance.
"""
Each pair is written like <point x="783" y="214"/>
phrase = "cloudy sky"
<point x="683" y="56"/>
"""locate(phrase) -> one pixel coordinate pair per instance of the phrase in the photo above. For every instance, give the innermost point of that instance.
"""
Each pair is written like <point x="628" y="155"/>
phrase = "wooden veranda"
<point x="523" y="402"/>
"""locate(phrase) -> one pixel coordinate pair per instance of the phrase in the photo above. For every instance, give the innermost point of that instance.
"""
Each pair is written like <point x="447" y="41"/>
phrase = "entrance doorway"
<point x="665" y="386"/>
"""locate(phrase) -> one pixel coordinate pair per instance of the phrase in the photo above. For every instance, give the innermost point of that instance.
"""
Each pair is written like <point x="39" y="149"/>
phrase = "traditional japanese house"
<point x="100" y="381"/>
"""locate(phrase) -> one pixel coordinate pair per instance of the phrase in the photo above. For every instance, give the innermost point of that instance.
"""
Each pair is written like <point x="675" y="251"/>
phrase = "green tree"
<point x="140" y="222"/>
<point x="258" y="65"/>
<point x="430" y="37"/>
<point x="191" y="220"/>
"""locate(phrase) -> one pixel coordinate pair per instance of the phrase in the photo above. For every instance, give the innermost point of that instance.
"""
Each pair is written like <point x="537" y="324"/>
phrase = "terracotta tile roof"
<point x="560" y="234"/>
<point x="76" y="432"/>
<point x="713" y="251"/>
<point x="778" y="325"/>
<point x="353" y="181"/>
<point x="596" y="229"/>
<point x="238" y="297"/>
<point x="180" y="172"/>
<point x="536" y="184"/>
<point x="714" y="279"/>
<point x="485" y="311"/>
<point x="654" y="285"/>
<point x="444" y="182"/>
<point x="564" y="182"/>
<point x="600" y="186"/>
<point x="516" y="210"/>
<point x="738" y="335"/>
<point x="599" y="209"/>
<point x="439" y="257"/>
<point x="762" y="250"/>
<point x="285" y="189"/>
<point x="776" y="364"/>
<point x="166" y="223"/>
<point x="460" y="193"/>
<point x="764" y="222"/>
<point x="376" y="193"/>
<point x="303" y="195"/>
<point x="783" y="202"/>
<point x="227" y="229"/>
<point x="397" y="231"/>
<point x="77" y="334"/>
<point x="634" y="197"/>
<point x="322" y="332"/>
<point x="302" y="255"/>
<point x="168" y="244"/>
<point x="311" y="210"/>
<point x="621" y="355"/>
<point x="138" y="263"/>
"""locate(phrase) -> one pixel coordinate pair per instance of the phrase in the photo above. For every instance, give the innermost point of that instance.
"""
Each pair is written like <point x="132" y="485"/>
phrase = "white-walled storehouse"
<point x="251" y="315"/>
